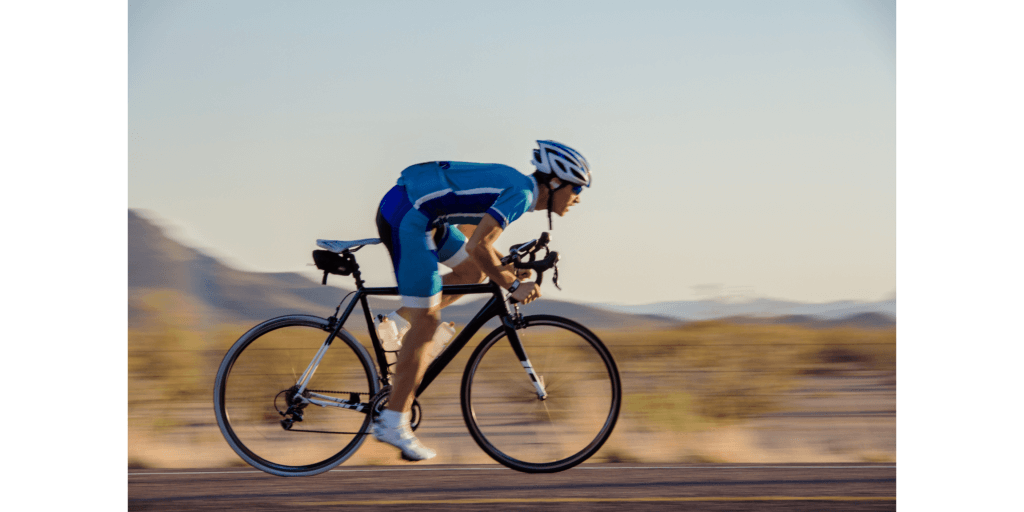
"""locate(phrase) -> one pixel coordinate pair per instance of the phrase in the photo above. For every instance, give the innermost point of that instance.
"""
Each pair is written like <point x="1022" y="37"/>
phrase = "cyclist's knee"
<point x="423" y="316"/>
<point x="469" y="272"/>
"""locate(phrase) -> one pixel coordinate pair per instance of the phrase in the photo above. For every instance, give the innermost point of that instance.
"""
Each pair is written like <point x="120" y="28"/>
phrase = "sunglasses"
<point x="576" y="189"/>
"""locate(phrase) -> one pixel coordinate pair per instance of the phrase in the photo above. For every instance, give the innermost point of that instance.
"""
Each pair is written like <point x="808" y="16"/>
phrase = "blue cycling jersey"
<point x="463" y="192"/>
<point x="416" y="217"/>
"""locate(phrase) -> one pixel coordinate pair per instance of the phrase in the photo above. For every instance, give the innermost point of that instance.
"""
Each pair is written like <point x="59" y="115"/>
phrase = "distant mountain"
<point x="858" y="321"/>
<point x="215" y="293"/>
<point x="763" y="308"/>
<point x="219" y="293"/>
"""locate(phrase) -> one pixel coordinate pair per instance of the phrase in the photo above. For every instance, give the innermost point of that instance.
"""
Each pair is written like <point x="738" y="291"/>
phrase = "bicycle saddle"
<point x="338" y="246"/>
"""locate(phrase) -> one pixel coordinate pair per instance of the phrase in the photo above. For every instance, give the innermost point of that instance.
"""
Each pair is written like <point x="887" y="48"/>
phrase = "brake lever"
<point x="530" y="249"/>
<point x="522" y="248"/>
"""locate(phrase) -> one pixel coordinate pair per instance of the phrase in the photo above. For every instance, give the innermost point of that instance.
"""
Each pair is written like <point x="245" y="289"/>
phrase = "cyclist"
<point x="415" y="221"/>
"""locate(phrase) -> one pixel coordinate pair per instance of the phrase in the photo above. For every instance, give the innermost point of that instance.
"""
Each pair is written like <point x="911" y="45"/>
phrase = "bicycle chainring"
<point x="380" y="400"/>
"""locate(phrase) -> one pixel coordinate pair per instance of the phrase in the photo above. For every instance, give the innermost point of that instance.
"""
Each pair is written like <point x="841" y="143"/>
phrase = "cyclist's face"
<point x="564" y="198"/>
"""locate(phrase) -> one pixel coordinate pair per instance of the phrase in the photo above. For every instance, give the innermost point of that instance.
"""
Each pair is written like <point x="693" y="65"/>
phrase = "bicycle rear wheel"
<point x="257" y="379"/>
<point x="508" y="419"/>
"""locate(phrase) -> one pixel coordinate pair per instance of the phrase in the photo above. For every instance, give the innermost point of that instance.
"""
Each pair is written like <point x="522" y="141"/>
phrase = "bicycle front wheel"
<point x="256" y="383"/>
<point x="508" y="418"/>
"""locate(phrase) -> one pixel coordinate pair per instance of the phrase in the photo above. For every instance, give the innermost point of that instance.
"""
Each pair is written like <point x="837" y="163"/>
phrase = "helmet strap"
<point x="551" y="199"/>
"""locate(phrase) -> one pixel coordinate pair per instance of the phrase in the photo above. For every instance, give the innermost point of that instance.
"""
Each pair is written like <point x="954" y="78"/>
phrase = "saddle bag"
<point x="333" y="263"/>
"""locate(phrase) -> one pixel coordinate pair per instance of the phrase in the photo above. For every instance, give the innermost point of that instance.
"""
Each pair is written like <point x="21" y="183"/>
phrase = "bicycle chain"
<point x="330" y="431"/>
<point x="340" y="392"/>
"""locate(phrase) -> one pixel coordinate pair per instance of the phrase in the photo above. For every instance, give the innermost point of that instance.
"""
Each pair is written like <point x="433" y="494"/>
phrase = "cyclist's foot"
<point x="393" y="428"/>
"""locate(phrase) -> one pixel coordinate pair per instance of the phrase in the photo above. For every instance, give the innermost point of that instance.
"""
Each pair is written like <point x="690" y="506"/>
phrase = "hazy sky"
<point x="738" y="148"/>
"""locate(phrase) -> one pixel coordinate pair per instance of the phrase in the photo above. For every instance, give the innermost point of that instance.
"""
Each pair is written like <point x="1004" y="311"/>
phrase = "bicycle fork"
<point x="517" y="347"/>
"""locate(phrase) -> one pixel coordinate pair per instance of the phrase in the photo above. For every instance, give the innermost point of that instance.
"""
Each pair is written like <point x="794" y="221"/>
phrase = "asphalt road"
<point x="791" y="487"/>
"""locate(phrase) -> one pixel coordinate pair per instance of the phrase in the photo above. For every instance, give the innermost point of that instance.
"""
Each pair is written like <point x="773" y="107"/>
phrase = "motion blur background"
<point x="744" y="167"/>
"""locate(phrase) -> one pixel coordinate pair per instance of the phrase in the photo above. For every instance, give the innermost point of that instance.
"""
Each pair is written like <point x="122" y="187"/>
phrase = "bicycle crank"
<point x="380" y="400"/>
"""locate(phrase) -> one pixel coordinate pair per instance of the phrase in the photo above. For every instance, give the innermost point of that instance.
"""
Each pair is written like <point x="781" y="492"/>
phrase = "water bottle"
<point x="387" y="331"/>
<point x="442" y="337"/>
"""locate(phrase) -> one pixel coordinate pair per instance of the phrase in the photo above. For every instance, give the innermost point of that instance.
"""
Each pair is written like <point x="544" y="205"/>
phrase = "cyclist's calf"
<point x="412" y="360"/>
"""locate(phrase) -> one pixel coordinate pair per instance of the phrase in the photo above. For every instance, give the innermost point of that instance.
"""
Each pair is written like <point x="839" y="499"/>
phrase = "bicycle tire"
<point x="513" y="425"/>
<point x="267" y="361"/>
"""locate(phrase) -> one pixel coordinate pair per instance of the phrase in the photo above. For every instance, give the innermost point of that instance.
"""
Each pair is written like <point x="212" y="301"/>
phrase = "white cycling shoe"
<point x="401" y="437"/>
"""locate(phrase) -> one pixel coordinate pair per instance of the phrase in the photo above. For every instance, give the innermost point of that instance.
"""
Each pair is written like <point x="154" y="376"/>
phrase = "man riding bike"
<point x="416" y="222"/>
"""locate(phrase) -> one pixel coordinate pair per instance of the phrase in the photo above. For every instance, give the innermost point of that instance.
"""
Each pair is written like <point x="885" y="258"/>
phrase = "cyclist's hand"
<point x="520" y="273"/>
<point x="527" y="292"/>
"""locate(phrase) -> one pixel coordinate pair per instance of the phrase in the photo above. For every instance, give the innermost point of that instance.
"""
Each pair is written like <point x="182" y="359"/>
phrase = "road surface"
<point x="790" y="487"/>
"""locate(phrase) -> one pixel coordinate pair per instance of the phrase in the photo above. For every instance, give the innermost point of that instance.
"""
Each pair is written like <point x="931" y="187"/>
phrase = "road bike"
<point x="296" y="395"/>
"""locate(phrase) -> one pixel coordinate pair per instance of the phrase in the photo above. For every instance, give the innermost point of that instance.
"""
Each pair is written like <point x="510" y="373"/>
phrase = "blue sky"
<point x="739" y="148"/>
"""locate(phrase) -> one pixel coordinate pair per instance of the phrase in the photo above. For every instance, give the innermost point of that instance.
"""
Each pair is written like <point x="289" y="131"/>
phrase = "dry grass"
<point x="724" y="372"/>
<point x="697" y="378"/>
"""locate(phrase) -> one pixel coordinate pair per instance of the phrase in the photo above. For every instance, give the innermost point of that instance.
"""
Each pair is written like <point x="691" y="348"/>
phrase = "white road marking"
<point x="502" y="468"/>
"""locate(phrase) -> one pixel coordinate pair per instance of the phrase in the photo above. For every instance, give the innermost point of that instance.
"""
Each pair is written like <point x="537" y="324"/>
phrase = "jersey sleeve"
<point x="511" y="204"/>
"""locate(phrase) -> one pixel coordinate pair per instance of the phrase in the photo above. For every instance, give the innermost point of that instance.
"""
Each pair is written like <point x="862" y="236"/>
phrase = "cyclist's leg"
<point x="451" y="252"/>
<point x="465" y="270"/>
<point x="413" y="253"/>
<point x="392" y="426"/>
<point x="412" y="358"/>
<point x="419" y="284"/>
<point x="446" y="242"/>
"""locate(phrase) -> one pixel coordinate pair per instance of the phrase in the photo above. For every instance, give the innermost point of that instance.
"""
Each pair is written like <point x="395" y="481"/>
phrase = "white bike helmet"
<point x="567" y="164"/>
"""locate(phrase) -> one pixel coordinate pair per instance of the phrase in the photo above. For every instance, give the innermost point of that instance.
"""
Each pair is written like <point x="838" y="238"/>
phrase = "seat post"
<point x="355" y="271"/>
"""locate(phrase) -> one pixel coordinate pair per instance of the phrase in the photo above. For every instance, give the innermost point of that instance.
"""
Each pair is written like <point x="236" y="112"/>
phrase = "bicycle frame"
<point x="497" y="405"/>
<point x="497" y="306"/>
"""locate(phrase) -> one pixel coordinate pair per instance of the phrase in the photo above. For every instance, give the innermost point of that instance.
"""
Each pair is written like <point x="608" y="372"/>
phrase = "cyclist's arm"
<point x="481" y="248"/>
<point x="523" y="273"/>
